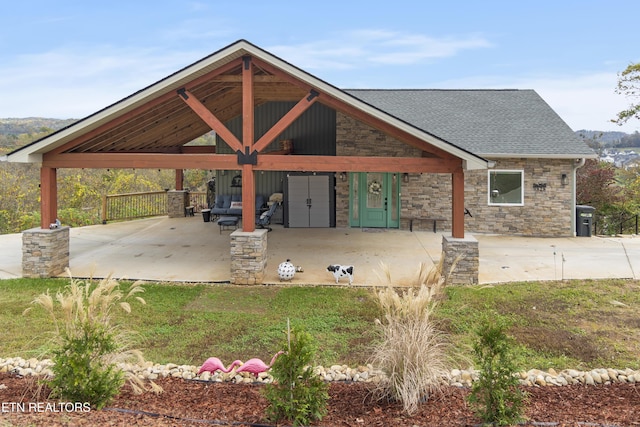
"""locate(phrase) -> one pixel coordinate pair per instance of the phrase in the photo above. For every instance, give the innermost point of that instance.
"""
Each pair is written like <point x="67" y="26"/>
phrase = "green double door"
<point x="374" y="199"/>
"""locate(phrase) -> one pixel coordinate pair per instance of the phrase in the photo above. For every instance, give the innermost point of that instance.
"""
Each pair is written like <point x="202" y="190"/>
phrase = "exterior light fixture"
<point x="405" y="177"/>
<point x="564" y="179"/>
<point x="236" y="181"/>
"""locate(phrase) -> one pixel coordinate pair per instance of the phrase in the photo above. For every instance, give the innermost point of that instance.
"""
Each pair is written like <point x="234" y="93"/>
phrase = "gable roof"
<point x="132" y="126"/>
<point x="489" y="123"/>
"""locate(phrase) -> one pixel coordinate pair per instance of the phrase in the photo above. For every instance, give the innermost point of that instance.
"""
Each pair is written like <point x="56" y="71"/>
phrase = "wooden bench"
<point x="435" y="222"/>
<point x="189" y="210"/>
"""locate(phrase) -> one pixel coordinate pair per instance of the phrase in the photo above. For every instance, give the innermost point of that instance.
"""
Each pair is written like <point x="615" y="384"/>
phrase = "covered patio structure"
<point x="150" y="129"/>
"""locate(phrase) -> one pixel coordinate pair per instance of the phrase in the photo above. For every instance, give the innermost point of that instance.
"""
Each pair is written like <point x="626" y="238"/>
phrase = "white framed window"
<point x="506" y="187"/>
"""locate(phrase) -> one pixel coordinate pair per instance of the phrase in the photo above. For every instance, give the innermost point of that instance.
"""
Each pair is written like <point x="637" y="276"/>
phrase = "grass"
<point x="574" y="324"/>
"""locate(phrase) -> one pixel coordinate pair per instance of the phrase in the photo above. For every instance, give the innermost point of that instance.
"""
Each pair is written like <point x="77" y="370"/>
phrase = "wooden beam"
<point x="141" y="161"/>
<point x="141" y="109"/>
<point x="356" y="164"/>
<point x="210" y="119"/>
<point x="281" y="74"/>
<point x="276" y="162"/>
<point x="236" y="78"/>
<point x="457" y="203"/>
<point x="48" y="196"/>
<point x="205" y="78"/>
<point x="198" y="149"/>
<point x="248" y="178"/>
<point x="286" y="121"/>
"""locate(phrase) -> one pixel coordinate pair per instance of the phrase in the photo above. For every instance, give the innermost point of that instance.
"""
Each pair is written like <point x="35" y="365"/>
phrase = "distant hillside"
<point x="605" y="138"/>
<point x="15" y="126"/>
<point x="17" y="132"/>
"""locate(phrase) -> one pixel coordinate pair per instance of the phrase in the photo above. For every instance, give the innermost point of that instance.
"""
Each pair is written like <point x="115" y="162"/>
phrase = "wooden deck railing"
<point x="198" y="200"/>
<point x="117" y="207"/>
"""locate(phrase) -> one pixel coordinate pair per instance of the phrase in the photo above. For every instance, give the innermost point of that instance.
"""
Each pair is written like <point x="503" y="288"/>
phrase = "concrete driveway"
<point x="190" y="250"/>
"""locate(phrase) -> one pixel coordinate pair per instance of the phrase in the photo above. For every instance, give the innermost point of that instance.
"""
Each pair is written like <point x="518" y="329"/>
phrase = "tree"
<point x="596" y="185"/>
<point x="629" y="179"/>
<point x="629" y="86"/>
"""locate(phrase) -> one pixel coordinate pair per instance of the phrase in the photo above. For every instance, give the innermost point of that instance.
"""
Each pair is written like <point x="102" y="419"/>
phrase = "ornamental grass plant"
<point x="87" y="344"/>
<point x="411" y="351"/>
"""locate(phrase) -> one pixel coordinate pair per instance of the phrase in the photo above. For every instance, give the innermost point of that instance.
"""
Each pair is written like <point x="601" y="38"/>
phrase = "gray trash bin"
<point x="584" y="220"/>
<point x="206" y="215"/>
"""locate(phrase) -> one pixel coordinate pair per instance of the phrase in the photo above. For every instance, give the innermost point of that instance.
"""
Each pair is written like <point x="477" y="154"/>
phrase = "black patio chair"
<point x="264" y="220"/>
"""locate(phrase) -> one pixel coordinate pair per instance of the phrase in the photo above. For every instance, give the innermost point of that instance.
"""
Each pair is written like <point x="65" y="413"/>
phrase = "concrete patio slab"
<point x="191" y="250"/>
<point x="508" y="258"/>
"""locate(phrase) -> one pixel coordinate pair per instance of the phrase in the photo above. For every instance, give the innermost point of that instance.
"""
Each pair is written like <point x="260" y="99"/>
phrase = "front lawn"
<point x="575" y="324"/>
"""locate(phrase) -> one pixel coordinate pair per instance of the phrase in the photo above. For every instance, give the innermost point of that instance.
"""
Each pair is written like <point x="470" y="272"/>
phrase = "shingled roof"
<point x="489" y="123"/>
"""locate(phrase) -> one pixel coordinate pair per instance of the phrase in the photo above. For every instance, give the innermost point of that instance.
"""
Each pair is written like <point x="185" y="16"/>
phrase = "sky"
<point x="69" y="59"/>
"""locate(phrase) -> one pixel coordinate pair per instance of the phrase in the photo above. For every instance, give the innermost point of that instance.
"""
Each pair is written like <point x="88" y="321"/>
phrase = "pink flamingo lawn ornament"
<point x="214" y="364"/>
<point x="255" y="366"/>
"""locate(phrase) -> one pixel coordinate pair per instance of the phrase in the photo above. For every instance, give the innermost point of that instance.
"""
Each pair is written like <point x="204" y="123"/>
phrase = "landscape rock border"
<point x="457" y="377"/>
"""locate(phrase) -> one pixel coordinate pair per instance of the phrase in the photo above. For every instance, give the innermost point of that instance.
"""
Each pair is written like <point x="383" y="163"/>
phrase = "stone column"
<point x="177" y="200"/>
<point x="248" y="257"/>
<point x="464" y="253"/>
<point x="45" y="253"/>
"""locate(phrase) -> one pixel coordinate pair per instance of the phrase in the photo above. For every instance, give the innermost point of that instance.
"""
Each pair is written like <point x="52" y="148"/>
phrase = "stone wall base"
<point x="45" y="253"/>
<point x="248" y="257"/>
<point x="177" y="200"/>
<point x="464" y="254"/>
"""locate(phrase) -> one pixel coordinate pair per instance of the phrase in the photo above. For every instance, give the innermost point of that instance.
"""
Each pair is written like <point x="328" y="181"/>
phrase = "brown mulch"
<point x="191" y="403"/>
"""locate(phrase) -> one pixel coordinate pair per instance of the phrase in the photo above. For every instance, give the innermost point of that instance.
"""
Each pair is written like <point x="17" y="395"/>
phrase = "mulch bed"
<point x="195" y="403"/>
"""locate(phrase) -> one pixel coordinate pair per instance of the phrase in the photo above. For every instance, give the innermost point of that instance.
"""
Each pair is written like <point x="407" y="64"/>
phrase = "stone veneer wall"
<point x="353" y="138"/>
<point x="545" y="213"/>
<point x="45" y="253"/>
<point x="464" y="253"/>
<point x="177" y="201"/>
<point x="248" y="257"/>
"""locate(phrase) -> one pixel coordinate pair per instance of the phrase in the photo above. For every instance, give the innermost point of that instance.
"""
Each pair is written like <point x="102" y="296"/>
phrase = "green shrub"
<point x="75" y="217"/>
<point x="87" y="346"/>
<point x="411" y="351"/>
<point x="80" y="372"/>
<point x="297" y="394"/>
<point x="495" y="396"/>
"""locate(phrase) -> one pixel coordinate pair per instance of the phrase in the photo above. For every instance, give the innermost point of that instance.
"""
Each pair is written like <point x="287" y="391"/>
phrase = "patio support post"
<point x="45" y="250"/>
<point x="457" y="203"/>
<point x="177" y="201"/>
<point x="248" y="178"/>
<point x="460" y="253"/>
<point x="248" y="257"/>
<point x="179" y="179"/>
<point x="45" y="253"/>
<point x="460" y="260"/>
<point x="48" y="196"/>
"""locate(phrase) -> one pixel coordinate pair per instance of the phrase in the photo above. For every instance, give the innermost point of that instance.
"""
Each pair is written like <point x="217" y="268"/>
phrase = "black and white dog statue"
<point x="340" y="271"/>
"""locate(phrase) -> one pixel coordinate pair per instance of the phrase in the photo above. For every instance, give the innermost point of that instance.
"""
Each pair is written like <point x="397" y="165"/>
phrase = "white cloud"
<point x="73" y="84"/>
<point x="75" y="81"/>
<point x="360" y="48"/>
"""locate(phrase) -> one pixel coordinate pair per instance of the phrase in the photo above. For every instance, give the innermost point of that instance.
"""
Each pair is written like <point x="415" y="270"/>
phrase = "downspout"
<point x="578" y="164"/>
